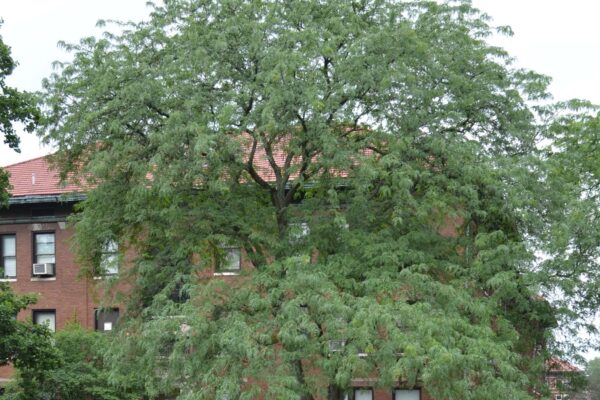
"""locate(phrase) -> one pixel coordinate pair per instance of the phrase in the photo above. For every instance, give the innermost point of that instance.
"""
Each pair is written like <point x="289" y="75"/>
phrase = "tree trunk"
<point x="334" y="392"/>
<point x="299" y="372"/>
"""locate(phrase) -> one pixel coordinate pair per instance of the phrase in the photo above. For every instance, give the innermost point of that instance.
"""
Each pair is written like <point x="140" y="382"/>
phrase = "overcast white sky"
<point x="551" y="37"/>
<point x="32" y="29"/>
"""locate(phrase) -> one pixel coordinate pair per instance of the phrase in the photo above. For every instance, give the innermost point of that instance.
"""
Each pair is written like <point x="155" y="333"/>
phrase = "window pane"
<point x="10" y="267"/>
<point x="44" y="238"/>
<point x="232" y="259"/>
<point x="8" y="245"/>
<point x="407" y="394"/>
<point x="109" y="261"/>
<point x="110" y="247"/>
<point x="106" y="319"/>
<point x="44" y="245"/>
<point x="45" y="248"/>
<point x="47" y="318"/>
<point x="363" y="394"/>
<point x="43" y="259"/>
<point x="109" y="264"/>
<point x="298" y="232"/>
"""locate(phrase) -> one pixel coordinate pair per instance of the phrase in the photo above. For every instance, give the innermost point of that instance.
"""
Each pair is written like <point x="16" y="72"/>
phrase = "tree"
<point x="593" y="377"/>
<point x="25" y="346"/>
<point x="81" y="373"/>
<point x="28" y="347"/>
<point x="15" y="106"/>
<point x="572" y="242"/>
<point x="379" y="164"/>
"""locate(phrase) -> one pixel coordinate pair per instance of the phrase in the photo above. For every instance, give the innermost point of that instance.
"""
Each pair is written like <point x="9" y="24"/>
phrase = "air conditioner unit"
<point x="43" y="269"/>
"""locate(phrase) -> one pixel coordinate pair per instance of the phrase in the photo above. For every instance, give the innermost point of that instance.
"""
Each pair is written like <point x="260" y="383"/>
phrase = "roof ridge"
<point x="26" y="161"/>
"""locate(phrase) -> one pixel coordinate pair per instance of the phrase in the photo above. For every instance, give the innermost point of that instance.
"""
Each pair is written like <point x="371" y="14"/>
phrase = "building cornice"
<point x="47" y="198"/>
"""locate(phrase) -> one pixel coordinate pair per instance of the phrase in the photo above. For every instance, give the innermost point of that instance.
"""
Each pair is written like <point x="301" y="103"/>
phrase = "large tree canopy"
<point x="382" y="167"/>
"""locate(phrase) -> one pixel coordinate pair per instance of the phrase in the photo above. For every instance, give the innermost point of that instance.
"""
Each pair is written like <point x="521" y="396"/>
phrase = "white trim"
<point x="8" y="279"/>
<point x="51" y="278"/>
<point x="107" y="277"/>
<point x="226" y="273"/>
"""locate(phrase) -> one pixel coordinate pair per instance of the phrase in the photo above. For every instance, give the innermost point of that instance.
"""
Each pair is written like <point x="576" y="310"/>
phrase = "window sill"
<point x="8" y="279"/>
<point x="103" y="277"/>
<point x="226" y="273"/>
<point x="50" y="278"/>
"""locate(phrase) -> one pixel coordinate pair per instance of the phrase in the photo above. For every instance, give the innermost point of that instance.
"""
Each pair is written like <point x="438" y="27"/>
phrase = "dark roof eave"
<point x="47" y="198"/>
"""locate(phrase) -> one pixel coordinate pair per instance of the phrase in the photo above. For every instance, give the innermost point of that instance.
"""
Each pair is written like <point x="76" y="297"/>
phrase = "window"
<point x="230" y="261"/>
<point x="44" y="248"/>
<point x="106" y="319"/>
<point x="109" y="259"/>
<point x="402" y="394"/>
<point x="363" y="394"/>
<point x="336" y="346"/>
<point x="298" y="232"/>
<point x="45" y="317"/>
<point x="8" y="253"/>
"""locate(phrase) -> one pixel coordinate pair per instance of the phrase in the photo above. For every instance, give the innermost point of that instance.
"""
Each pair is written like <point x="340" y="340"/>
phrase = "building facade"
<point x="565" y="381"/>
<point x="35" y="252"/>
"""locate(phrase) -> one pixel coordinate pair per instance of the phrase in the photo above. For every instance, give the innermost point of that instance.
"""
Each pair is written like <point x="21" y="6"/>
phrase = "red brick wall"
<point x="66" y="292"/>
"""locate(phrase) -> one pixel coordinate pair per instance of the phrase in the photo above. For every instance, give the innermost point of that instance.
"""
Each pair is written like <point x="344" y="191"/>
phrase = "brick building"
<point x="565" y="381"/>
<point x="35" y="252"/>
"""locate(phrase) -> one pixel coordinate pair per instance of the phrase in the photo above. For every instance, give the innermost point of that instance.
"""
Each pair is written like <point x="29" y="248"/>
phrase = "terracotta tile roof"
<point x="263" y="167"/>
<point x="36" y="178"/>
<point x="557" y="365"/>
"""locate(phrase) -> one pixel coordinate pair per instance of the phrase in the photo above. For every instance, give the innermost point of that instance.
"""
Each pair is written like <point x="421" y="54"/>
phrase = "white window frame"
<point x="411" y="391"/>
<point x="109" y="259"/>
<point x="231" y="263"/>
<point x="36" y="253"/>
<point x="363" y="389"/>
<point x="39" y="313"/>
<point x="4" y="256"/>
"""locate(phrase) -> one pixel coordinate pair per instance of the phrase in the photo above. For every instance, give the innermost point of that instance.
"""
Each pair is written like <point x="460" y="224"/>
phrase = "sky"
<point x="551" y="38"/>
<point x="32" y="28"/>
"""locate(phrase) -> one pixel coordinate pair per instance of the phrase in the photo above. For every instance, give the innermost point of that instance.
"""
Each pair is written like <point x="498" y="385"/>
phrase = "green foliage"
<point x="81" y="373"/>
<point x="15" y="106"/>
<point x="392" y="129"/>
<point x="593" y="378"/>
<point x="28" y="347"/>
<point x="4" y="183"/>
<point x="572" y="225"/>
